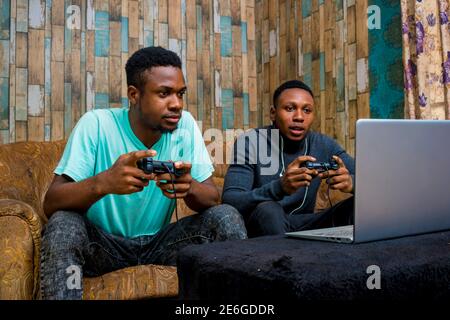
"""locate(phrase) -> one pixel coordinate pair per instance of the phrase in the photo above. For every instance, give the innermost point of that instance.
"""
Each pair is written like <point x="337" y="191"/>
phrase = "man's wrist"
<point x="100" y="187"/>
<point x="192" y="188"/>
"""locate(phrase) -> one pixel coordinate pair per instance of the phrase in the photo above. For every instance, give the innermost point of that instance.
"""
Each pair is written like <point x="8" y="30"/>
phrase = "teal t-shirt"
<point x="100" y="138"/>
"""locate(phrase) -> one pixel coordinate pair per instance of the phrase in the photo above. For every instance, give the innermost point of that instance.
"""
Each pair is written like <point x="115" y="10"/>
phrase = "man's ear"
<point x="273" y="112"/>
<point x="133" y="95"/>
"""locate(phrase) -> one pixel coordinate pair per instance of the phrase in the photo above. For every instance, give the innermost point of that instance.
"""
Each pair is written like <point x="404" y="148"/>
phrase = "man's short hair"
<point x="145" y="59"/>
<point x="290" y="85"/>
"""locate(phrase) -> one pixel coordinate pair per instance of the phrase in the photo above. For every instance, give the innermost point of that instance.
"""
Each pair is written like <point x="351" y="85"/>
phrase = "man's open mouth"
<point x="297" y="131"/>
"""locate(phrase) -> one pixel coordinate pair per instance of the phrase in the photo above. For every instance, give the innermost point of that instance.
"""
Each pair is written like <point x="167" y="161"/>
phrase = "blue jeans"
<point x="71" y="244"/>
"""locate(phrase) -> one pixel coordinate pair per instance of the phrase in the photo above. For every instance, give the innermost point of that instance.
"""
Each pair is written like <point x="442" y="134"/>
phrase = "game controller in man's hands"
<point x="321" y="166"/>
<point x="149" y="165"/>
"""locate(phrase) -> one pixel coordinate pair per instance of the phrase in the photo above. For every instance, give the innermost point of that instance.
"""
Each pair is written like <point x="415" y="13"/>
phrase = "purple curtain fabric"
<point x="426" y="58"/>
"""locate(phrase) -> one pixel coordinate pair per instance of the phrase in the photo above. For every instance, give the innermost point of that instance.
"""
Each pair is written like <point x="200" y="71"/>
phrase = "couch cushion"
<point x="26" y="170"/>
<point x="137" y="282"/>
<point x="16" y="262"/>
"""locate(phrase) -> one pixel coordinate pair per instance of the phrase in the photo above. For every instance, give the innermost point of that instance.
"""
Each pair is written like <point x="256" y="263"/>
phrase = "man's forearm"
<point x="202" y="196"/>
<point x="75" y="196"/>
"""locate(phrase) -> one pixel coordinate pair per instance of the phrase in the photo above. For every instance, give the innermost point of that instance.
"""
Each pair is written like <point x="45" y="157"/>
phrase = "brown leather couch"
<point x="25" y="174"/>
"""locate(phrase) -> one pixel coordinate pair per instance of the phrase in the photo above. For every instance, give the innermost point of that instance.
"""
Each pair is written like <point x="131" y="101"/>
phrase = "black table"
<point x="281" y="268"/>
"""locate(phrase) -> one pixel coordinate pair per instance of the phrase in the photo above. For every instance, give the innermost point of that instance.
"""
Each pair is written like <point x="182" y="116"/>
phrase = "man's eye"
<point x="181" y="94"/>
<point x="164" y="93"/>
<point x="290" y="108"/>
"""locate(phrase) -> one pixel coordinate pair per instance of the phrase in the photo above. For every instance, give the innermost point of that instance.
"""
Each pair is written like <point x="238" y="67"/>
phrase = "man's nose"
<point x="176" y="102"/>
<point x="298" y="116"/>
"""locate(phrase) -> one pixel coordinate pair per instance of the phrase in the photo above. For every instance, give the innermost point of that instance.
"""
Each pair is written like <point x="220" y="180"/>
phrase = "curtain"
<point x="426" y="58"/>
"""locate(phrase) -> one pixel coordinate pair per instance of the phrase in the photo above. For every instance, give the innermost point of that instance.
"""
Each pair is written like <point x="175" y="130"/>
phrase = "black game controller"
<point x="321" y="166"/>
<point x="148" y="165"/>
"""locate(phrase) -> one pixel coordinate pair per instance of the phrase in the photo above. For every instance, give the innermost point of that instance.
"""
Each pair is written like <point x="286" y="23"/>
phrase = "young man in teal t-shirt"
<point x="104" y="212"/>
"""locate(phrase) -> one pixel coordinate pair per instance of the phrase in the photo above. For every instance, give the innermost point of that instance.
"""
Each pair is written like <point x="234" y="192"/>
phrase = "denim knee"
<point x="267" y="218"/>
<point x="228" y="222"/>
<point x="267" y="211"/>
<point x="63" y="240"/>
<point x="64" y="230"/>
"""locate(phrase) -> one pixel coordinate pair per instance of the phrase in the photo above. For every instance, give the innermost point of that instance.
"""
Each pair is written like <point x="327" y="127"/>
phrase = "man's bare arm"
<point x="202" y="195"/>
<point x="66" y="194"/>
<point x="198" y="196"/>
<point x="122" y="178"/>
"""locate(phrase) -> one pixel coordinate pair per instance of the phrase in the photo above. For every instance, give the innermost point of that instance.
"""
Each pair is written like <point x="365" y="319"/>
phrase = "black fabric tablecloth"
<point x="281" y="268"/>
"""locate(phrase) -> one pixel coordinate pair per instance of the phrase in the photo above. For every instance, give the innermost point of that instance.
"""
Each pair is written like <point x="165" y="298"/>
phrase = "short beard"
<point x="166" y="130"/>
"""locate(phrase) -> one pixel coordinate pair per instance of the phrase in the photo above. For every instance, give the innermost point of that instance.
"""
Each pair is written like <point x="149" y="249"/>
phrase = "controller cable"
<point x="327" y="170"/>
<point x="283" y="170"/>
<point x="172" y="179"/>
<point x="307" y="188"/>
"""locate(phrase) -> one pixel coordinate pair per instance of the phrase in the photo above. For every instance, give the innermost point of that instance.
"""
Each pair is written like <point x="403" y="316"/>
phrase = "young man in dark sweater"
<point x="267" y="181"/>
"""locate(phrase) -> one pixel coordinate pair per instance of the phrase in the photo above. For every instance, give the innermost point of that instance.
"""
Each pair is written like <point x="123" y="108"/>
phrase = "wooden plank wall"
<point x="325" y="44"/>
<point x="61" y="58"/>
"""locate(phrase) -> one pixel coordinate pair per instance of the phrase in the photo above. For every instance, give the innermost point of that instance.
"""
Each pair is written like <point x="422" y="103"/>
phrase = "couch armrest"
<point x="20" y="241"/>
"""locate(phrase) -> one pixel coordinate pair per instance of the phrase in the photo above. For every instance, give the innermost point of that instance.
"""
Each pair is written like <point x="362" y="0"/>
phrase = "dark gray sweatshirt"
<point x="261" y="155"/>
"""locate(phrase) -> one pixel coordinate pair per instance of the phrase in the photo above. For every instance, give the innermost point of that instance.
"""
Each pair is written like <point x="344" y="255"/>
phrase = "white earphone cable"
<point x="283" y="169"/>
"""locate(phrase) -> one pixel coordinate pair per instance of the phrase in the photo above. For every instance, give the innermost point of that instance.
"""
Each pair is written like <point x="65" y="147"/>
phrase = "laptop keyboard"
<point x="341" y="232"/>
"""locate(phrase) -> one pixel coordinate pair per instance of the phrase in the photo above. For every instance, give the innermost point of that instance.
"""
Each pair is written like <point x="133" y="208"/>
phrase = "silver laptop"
<point x="402" y="182"/>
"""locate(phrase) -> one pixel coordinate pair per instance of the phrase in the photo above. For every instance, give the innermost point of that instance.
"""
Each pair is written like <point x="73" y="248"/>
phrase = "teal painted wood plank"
<point x="183" y="11"/>
<point x="244" y="36"/>
<point x="4" y="137"/>
<point x="148" y="39"/>
<point x="340" y="85"/>
<point x="175" y="46"/>
<point x="47" y="61"/>
<point x="306" y="8"/>
<point x="5" y="18"/>
<point x="322" y="71"/>
<point x="21" y="94"/>
<point x="124" y="36"/>
<point x="101" y="100"/>
<point x="227" y="109"/>
<point x="21" y="15"/>
<point x="199" y="37"/>
<point x="200" y="102"/>
<point x="67" y="109"/>
<point x="307" y="68"/>
<point x="226" y="41"/>
<point x="149" y="15"/>
<point x="246" y="109"/>
<point x="227" y="119"/>
<point x="4" y="58"/>
<point x="339" y="9"/>
<point x="4" y="103"/>
<point x="67" y="31"/>
<point x="47" y="132"/>
<point x="125" y="103"/>
<point x="12" y="42"/>
<point x="101" y="20"/>
<point x="307" y="78"/>
<point x="101" y="34"/>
